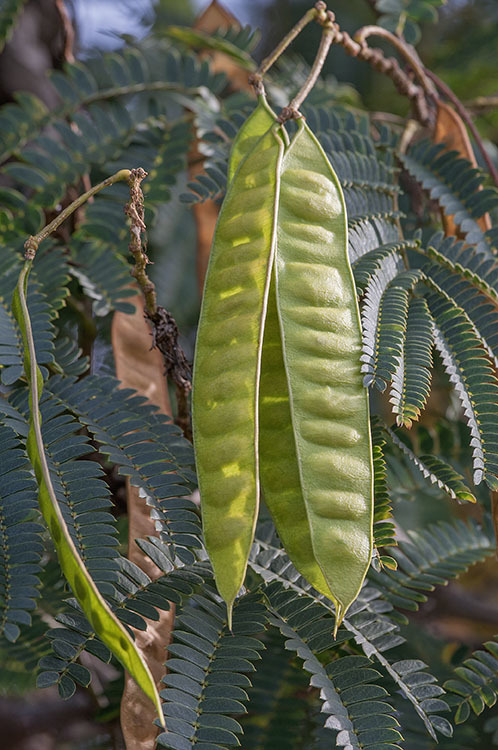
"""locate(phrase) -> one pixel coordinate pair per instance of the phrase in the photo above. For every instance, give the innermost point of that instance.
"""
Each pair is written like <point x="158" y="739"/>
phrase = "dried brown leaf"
<point x="142" y="368"/>
<point x="206" y="214"/>
<point x="450" y="129"/>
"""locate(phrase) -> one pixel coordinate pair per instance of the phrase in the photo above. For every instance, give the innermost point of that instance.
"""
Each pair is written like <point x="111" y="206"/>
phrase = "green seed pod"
<point x="279" y="466"/>
<point x="101" y="617"/>
<point x="321" y="338"/>
<point x="277" y="384"/>
<point x="227" y="362"/>
<point x="256" y="125"/>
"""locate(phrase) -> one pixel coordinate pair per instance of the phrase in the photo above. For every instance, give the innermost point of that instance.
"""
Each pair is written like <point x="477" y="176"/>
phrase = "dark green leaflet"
<point x="102" y="619"/>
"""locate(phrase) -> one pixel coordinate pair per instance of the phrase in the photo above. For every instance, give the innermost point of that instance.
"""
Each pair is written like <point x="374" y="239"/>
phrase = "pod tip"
<point x="160" y="714"/>
<point x="229" y="615"/>
<point x="339" y="616"/>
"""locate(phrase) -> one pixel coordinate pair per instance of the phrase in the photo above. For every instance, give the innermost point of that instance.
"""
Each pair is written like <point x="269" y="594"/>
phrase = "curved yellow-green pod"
<point x="257" y="124"/>
<point x="279" y="470"/>
<point x="320" y="329"/>
<point x="277" y="452"/>
<point x="100" y="616"/>
<point x="227" y="362"/>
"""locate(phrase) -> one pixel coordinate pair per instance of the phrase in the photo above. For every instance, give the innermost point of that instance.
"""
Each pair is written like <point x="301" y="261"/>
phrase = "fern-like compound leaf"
<point x="383" y="528"/>
<point x="431" y="558"/>
<point x="434" y="469"/>
<point x="373" y="312"/>
<point x="412" y="378"/>
<point x="475" y="682"/>
<point x="21" y="542"/>
<point x="473" y="377"/>
<point x="209" y="670"/>
<point x="454" y="183"/>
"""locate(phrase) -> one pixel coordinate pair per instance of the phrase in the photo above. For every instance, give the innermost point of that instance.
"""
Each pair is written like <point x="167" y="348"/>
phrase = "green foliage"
<point x="476" y="682"/>
<point x="383" y="529"/>
<point x="431" y="558"/>
<point x="21" y="543"/>
<point x="411" y="382"/>
<point x="434" y="469"/>
<point x="208" y="671"/>
<point x="9" y="13"/>
<point x="452" y="181"/>
<point x="404" y="16"/>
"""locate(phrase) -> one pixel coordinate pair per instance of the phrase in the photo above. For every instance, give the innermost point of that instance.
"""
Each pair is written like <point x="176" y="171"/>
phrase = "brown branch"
<point x="164" y="328"/>
<point x="32" y="243"/>
<point x="313" y="14"/>
<point x="388" y="117"/>
<point x="292" y="110"/>
<point x="481" y="103"/>
<point x="68" y="31"/>
<point x="449" y="94"/>
<point x="165" y="337"/>
<point x="135" y="211"/>
<point x="390" y="67"/>
<point x="406" y="50"/>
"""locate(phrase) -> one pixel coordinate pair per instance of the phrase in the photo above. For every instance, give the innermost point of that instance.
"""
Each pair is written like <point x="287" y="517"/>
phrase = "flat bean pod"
<point x="279" y="468"/>
<point x="277" y="451"/>
<point x="292" y="406"/>
<point x="278" y="465"/>
<point x="257" y="124"/>
<point x="228" y="359"/>
<point x="320" y="327"/>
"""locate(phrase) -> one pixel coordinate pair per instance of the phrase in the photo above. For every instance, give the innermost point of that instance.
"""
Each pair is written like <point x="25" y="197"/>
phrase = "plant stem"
<point x="138" y="88"/>
<point x="165" y="335"/>
<point x="32" y="243"/>
<point x="164" y="328"/>
<point x="482" y="103"/>
<point x="135" y="212"/>
<point x="317" y="13"/>
<point x="321" y="56"/>
<point x="467" y="119"/>
<point x="406" y="51"/>
<point x="389" y="66"/>
<point x="310" y="15"/>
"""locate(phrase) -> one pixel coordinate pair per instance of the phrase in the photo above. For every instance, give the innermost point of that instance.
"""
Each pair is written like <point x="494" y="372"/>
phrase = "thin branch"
<point x="68" y="31"/>
<point x="318" y="13"/>
<point x="32" y="243"/>
<point x="482" y="103"/>
<point x="165" y="335"/>
<point x="323" y="50"/>
<point x="138" y="88"/>
<point x="405" y="50"/>
<point x="391" y="67"/>
<point x="388" y="117"/>
<point x="164" y="328"/>
<point x="135" y="212"/>
<point x="449" y="94"/>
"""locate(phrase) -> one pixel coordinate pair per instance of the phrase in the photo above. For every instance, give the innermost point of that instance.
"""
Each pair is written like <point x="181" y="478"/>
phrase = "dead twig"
<point x="164" y="328"/>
